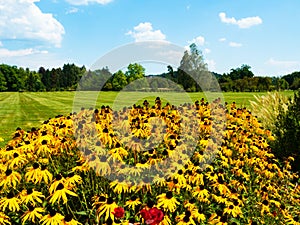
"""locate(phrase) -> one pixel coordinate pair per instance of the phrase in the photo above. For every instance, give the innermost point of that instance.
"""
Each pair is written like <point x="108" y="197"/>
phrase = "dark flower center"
<point x="52" y="213"/>
<point x="102" y="199"/>
<point x="60" y="186"/>
<point x="30" y="208"/>
<point x="150" y="204"/>
<point x="35" y="165"/>
<point x="8" y="172"/>
<point x="103" y="159"/>
<point x="265" y="202"/>
<point x="110" y="201"/>
<point x="68" y="218"/>
<point x="44" y="167"/>
<point x="186" y="219"/>
<point x="169" y="195"/>
<point x="58" y="177"/>
<point x="29" y="191"/>
<point x="10" y="195"/>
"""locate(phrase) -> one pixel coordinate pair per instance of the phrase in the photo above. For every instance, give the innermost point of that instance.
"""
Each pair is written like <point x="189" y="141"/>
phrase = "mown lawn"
<point x="27" y="110"/>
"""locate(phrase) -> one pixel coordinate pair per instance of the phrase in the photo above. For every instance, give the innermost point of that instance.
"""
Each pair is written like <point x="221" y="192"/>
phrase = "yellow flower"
<point x="120" y="186"/>
<point x="31" y="196"/>
<point x="45" y="175"/>
<point x="133" y="202"/>
<point x="33" y="174"/>
<point x="59" y="179"/>
<point x="32" y="214"/>
<point x="17" y="160"/>
<point x="201" y="193"/>
<point x="167" y="201"/>
<point x="53" y="218"/>
<point x="4" y="219"/>
<point x="68" y="220"/>
<point x="10" y="179"/>
<point x="12" y="202"/>
<point x="72" y="180"/>
<point x="233" y="209"/>
<point x="61" y="192"/>
<point x="105" y="206"/>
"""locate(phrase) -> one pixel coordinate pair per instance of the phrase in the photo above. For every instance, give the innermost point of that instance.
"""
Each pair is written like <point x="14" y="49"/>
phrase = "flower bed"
<point x="191" y="164"/>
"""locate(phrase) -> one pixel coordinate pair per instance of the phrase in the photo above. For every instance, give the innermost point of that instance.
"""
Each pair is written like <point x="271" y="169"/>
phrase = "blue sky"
<point x="49" y="33"/>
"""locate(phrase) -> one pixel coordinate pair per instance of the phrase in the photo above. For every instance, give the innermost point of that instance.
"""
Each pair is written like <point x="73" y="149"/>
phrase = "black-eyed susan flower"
<point x="10" y="179"/>
<point x="120" y="186"/>
<point x="34" y="173"/>
<point x="167" y="201"/>
<point x="68" y="220"/>
<point x="72" y="180"/>
<point x="4" y="219"/>
<point x="32" y="214"/>
<point x="233" y="210"/>
<point x="61" y="193"/>
<point x="185" y="219"/>
<point x="45" y="175"/>
<point x="17" y="160"/>
<point x="133" y="202"/>
<point x="105" y="206"/>
<point x="31" y="196"/>
<point x="53" y="218"/>
<point x="11" y="202"/>
<point x="59" y="179"/>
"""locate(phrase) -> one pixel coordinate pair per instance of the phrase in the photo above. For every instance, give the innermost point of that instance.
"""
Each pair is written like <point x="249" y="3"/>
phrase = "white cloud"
<point x="241" y="23"/>
<point x="222" y="39"/>
<point x="22" y="19"/>
<point x="1" y="44"/>
<point x="285" y="64"/>
<point x="36" y="60"/>
<point x="72" y="10"/>
<point x="145" y="32"/>
<point x="207" y="51"/>
<point x="4" y="53"/>
<point x="199" y="41"/>
<point x="283" y="67"/>
<point x="211" y="64"/>
<point x="86" y="2"/>
<point x="235" y="44"/>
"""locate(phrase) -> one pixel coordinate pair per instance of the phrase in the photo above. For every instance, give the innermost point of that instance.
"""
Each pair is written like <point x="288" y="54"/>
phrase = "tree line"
<point x="191" y="75"/>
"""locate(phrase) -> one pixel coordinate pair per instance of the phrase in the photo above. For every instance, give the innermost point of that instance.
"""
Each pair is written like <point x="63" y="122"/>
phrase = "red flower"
<point x="119" y="212"/>
<point x="152" y="216"/>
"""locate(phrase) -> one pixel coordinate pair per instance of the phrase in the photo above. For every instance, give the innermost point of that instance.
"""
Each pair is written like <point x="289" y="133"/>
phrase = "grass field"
<point x="27" y="110"/>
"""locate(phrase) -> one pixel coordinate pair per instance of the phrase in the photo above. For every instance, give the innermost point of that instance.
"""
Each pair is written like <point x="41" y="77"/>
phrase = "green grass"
<point x="27" y="110"/>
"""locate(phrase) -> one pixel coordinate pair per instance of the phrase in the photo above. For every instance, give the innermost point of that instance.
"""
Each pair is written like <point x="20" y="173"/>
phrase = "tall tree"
<point x="119" y="81"/>
<point x="134" y="71"/>
<point x="193" y="70"/>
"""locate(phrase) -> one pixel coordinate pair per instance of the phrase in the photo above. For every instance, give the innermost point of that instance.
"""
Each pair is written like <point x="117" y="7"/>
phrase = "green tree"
<point x="119" y="81"/>
<point x="296" y="84"/>
<point x="3" y="83"/>
<point x="282" y="84"/>
<point x="241" y="72"/>
<point x="193" y="70"/>
<point x="134" y="71"/>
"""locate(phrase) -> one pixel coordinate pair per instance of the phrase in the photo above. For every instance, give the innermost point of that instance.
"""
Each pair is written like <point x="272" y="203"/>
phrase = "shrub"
<point x="287" y="132"/>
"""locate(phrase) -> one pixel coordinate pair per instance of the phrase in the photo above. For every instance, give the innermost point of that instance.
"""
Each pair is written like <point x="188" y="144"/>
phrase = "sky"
<point x="229" y="33"/>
